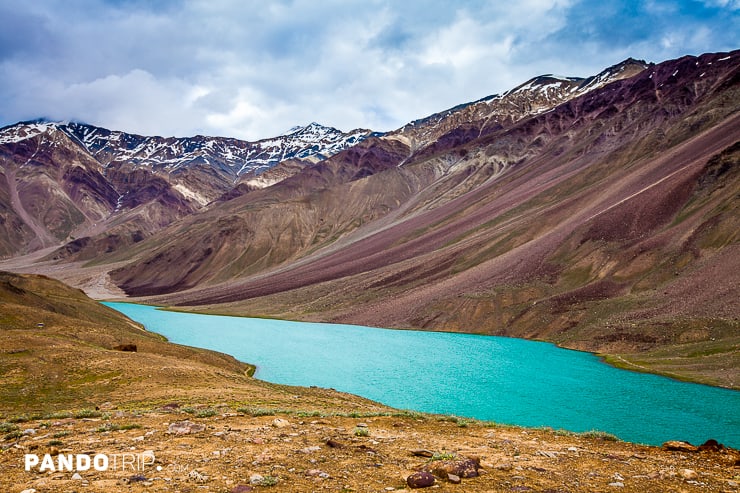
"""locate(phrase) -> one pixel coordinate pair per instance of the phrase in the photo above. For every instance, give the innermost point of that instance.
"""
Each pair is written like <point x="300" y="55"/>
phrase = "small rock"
<point x="29" y="490"/>
<point x="256" y="479"/>
<point x="688" y="474"/>
<point x="185" y="428"/>
<point x="280" y="423"/>
<point x="29" y="431"/>
<point x="454" y="479"/>
<point x="334" y="444"/>
<point x="422" y="453"/>
<point x="76" y="477"/>
<point x="362" y="425"/>
<point x="313" y="472"/>
<point x="310" y="450"/>
<point x="420" y="479"/>
<point x="678" y="446"/>
<point x="465" y="468"/>
<point x="617" y="484"/>
<point x="241" y="488"/>
<point x="711" y="445"/>
<point x="504" y="467"/>
<point x="572" y="449"/>
<point x="197" y="477"/>
<point x="324" y="475"/>
<point x="131" y="348"/>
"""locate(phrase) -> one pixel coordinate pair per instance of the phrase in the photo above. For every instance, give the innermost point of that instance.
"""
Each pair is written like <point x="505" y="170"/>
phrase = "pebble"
<point x="422" y="453"/>
<point x="76" y="477"/>
<point x="29" y="490"/>
<point x="241" y="488"/>
<point x="617" y="484"/>
<point x="256" y="479"/>
<point x="454" y="479"/>
<point x="688" y="474"/>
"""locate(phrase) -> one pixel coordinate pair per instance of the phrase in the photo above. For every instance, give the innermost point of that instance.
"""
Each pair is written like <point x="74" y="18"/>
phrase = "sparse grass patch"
<point x="55" y="443"/>
<point x="256" y="411"/>
<point x="116" y="427"/>
<point x="58" y="415"/>
<point x="563" y="433"/>
<point x="443" y="456"/>
<point x="361" y="432"/>
<point x="206" y="413"/>
<point x="7" y="427"/>
<point x="60" y="434"/>
<point x="268" y="481"/>
<point x="601" y="435"/>
<point x="87" y="413"/>
<point x="13" y="435"/>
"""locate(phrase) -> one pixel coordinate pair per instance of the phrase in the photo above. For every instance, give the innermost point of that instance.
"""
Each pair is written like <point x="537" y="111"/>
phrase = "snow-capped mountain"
<point x="313" y="142"/>
<point x="235" y="157"/>
<point x="537" y="95"/>
<point x="65" y="179"/>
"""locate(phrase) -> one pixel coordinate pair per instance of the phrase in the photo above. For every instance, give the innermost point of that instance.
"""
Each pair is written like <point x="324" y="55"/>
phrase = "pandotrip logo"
<point x="86" y="462"/>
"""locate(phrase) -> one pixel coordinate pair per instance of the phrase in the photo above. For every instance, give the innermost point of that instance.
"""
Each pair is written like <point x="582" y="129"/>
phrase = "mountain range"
<point x="599" y="213"/>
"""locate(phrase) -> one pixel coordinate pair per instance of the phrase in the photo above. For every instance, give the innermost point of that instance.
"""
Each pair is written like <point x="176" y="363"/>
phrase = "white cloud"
<point x="252" y="69"/>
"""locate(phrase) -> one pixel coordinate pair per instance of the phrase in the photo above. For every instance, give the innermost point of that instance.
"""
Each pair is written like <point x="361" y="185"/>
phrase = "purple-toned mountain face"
<point x="598" y="213"/>
<point x="69" y="180"/>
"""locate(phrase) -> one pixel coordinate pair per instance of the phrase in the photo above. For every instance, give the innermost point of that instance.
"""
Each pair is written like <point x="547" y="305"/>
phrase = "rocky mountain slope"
<point x="600" y="214"/>
<point x="63" y="181"/>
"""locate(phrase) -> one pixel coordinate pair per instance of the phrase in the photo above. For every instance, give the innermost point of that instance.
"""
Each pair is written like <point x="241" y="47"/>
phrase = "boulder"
<point x="420" y="479"/>
<point x="679" y="446"/>
<point x="463" y="468"/>
<point x="131" y="348"/>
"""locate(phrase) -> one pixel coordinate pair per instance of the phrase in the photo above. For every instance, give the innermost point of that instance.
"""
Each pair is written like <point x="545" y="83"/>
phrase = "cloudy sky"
<point x="254" y="69"/>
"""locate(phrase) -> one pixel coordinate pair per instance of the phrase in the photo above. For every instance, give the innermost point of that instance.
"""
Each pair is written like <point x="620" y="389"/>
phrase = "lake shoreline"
<point x="615" y="360"/>
<point x="385" y="393"/>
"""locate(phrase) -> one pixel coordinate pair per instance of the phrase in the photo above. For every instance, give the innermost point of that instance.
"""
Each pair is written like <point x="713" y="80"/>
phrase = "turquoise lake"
<point x="510" y="381"/>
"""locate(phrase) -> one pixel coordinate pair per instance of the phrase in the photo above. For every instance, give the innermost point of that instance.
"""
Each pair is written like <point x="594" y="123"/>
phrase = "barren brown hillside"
<point x="176" y="419"/>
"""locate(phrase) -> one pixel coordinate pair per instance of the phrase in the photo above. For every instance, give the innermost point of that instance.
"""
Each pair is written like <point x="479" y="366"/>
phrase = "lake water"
<point x="510" y="381"/>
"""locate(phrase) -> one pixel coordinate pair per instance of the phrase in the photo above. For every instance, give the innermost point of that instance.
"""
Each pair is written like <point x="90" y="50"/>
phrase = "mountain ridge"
<point x="587" y="222"/>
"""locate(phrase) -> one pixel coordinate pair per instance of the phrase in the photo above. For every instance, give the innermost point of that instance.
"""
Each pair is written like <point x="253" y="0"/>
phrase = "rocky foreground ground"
<point x="176" y="448"/>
